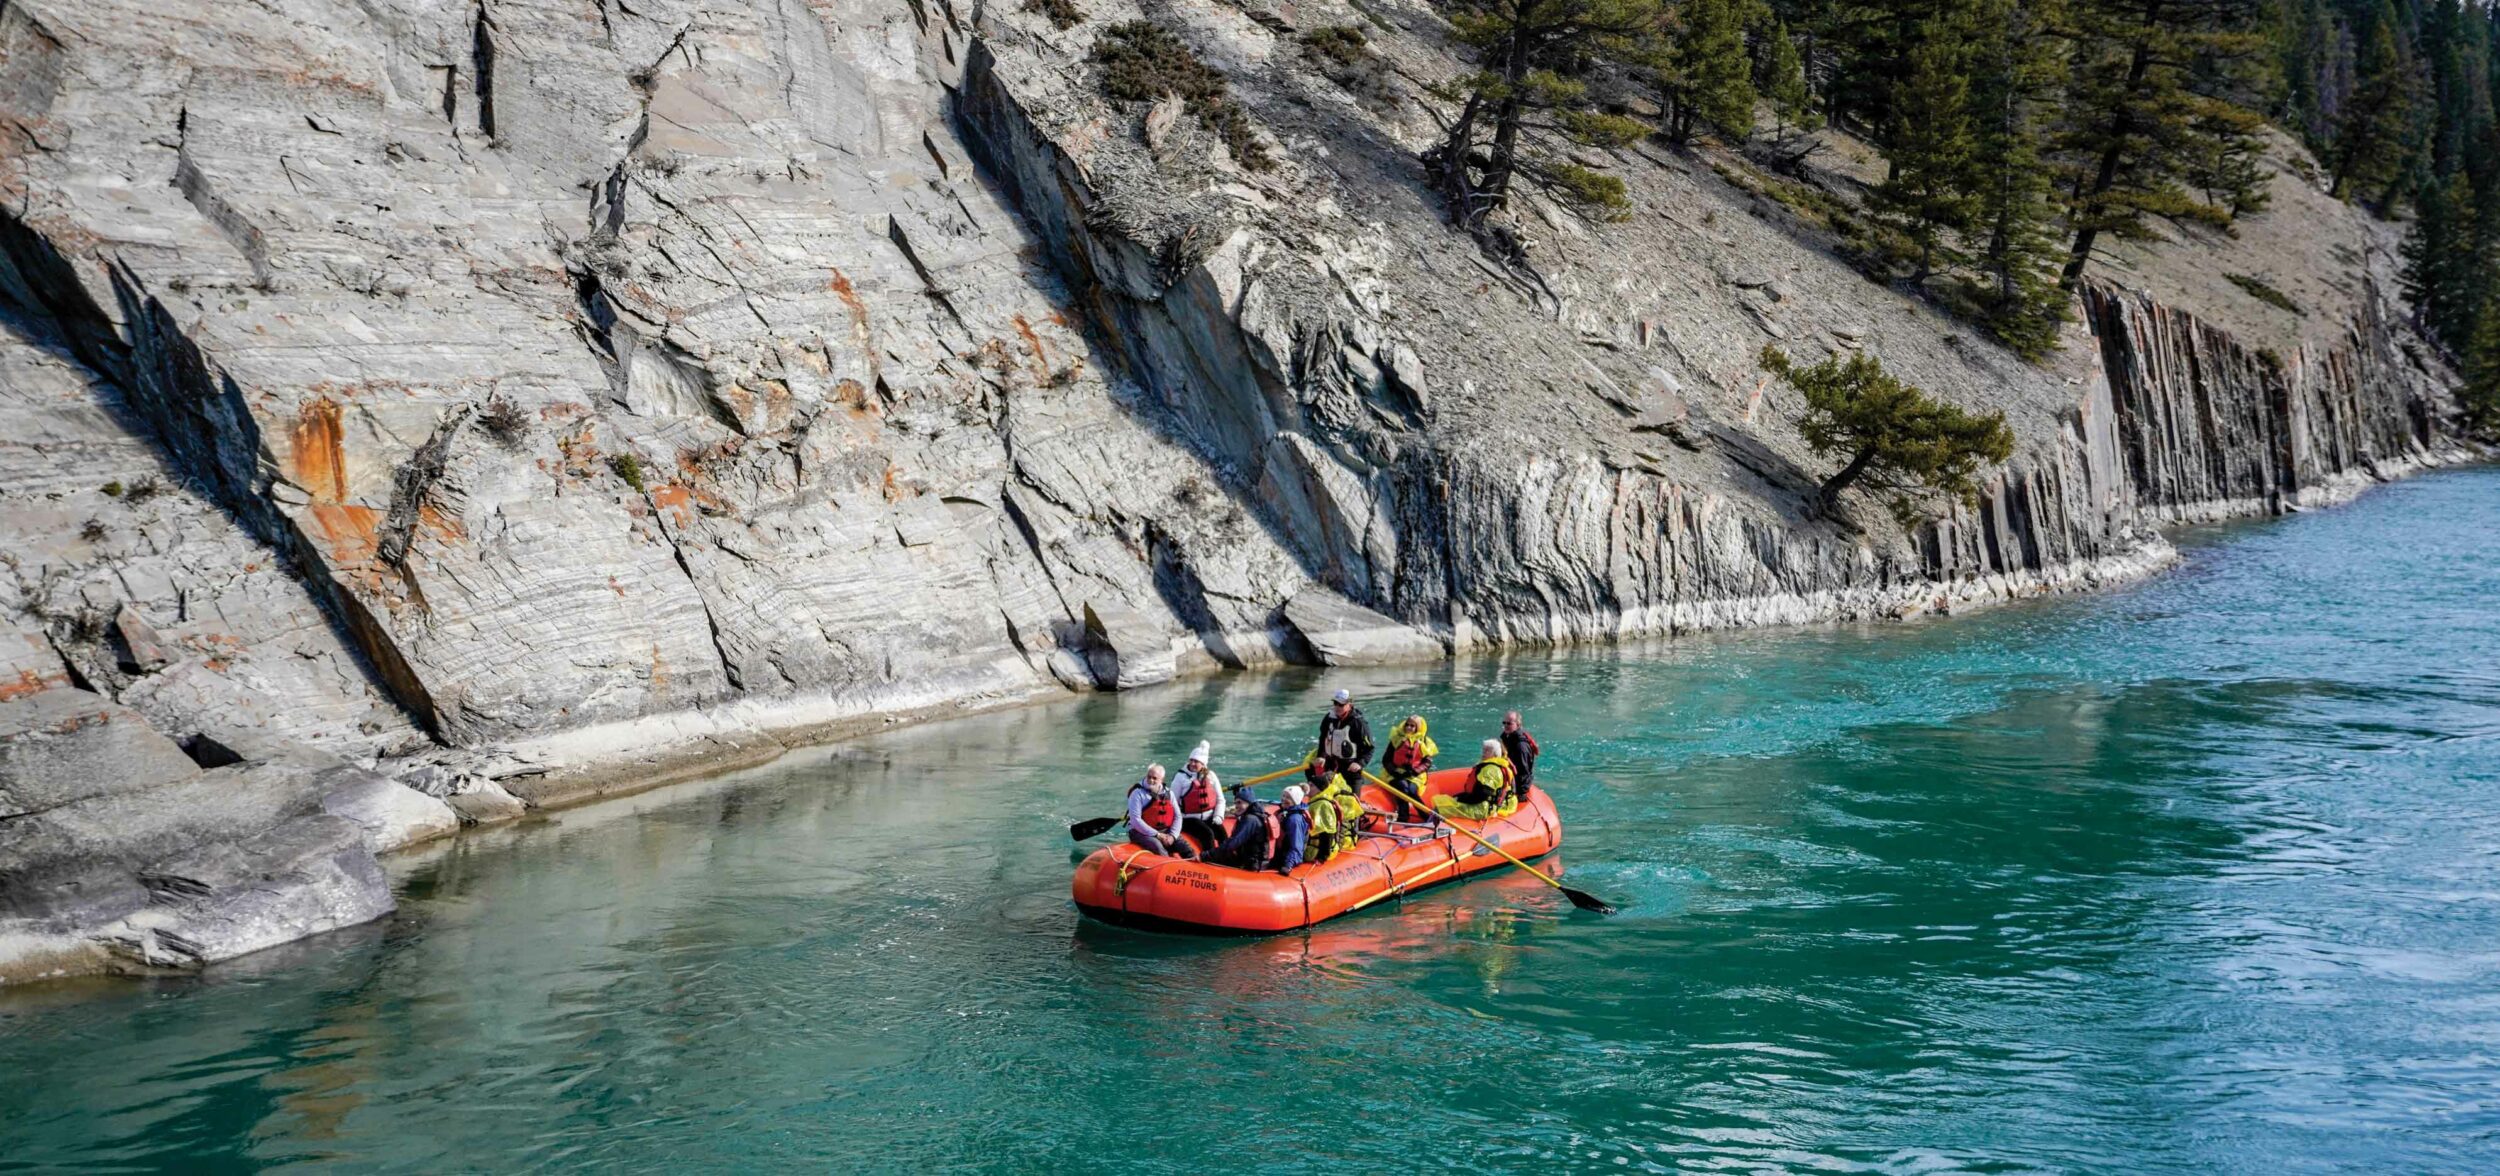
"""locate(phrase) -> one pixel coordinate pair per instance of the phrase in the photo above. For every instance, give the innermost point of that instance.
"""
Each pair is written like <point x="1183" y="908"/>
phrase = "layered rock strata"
<point x="542" y="397"/>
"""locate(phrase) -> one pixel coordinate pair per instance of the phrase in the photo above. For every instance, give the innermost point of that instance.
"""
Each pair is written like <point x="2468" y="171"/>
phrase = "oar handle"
<point x="1280" y="773"/>
<point x="1471" y="834"/>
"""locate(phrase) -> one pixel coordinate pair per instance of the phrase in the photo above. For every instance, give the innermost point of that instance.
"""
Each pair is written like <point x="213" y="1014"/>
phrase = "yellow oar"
<point x="1093" y="827"/>
<point x="1398" y="888"/>
<point x="1579" y="898"/>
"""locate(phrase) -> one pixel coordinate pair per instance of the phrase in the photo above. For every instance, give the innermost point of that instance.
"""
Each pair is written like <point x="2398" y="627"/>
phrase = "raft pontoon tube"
<point x="1140" y="888"/>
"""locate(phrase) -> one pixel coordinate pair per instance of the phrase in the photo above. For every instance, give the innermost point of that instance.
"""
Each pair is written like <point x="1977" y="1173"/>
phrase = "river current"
<point x="2202" y="875"/>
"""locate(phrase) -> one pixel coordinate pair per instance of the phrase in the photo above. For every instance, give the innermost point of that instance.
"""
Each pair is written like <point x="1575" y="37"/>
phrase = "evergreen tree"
<point x="2373" y="136"/>
<point x="2227" y="168"/>
<point x="2481" y="393"/>
<point x="1892" y="436"/>
<point x="1928" y="192"/>
<point x="2141" y="111"/>
<point x="1704" y="74"/>
<point x="2303" y="35"/>
<point x="2440" y="274"/>
<point x="1783" y="82"/>
<point x="2015" y="70"/>
<point x="1530" y="55"/>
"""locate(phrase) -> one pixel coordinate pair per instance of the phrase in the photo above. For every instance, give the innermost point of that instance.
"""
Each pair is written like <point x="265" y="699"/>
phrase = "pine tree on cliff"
<point x="2015" y="70"/>
<point x="2456" y="47"/>
<point x="2441" y="276"/>
<point x="1892" y="437"/>
<point x="2481" y="394"/>
<point x="2307" y="45"/>
<point x="1530" y="56"/>
<point x="1704" y="74"/>
<point x="2143" y="107"/>
<point x="1784" y="83"/>
<point x="2375" y="137"/>
<point x="1928" y="192"/>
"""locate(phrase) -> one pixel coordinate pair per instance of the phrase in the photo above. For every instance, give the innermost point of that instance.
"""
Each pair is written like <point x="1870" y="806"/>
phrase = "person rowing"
<point x="1409" y="760"/>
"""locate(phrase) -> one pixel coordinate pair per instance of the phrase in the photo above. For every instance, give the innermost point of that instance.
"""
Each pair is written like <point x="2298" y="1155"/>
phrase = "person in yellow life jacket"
<point x="1336" y="813"/>
<point x="1409" y="760"/>
<point x="1493" y="792"/>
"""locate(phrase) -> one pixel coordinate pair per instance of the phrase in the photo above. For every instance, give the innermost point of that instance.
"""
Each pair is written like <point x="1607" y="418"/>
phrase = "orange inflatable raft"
<point x="1135" y="887"/>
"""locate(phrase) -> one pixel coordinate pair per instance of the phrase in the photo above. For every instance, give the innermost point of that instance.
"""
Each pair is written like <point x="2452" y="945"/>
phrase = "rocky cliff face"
<point x="550" y="394"/>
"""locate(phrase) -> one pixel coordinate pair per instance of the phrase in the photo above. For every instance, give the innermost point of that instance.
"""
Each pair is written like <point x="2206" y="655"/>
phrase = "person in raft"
<point x="1408" y="762"/>
<point x="1336" y="813"/>
<point x="1521" y="748"/>
<point x="1345" y="737"/>
<point x="1154" y="820"/>
<point x="1493" y="793"/>
<point x="1202" y="798"/>
<point x="1293" y="831"/>
<point x="1253" y="839"/>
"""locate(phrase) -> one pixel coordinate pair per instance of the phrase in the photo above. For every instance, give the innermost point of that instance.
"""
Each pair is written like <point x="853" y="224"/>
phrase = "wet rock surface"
<point x="525" y="400"/>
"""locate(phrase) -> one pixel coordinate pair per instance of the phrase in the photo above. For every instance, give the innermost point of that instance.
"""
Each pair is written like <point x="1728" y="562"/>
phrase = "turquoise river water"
<point x="2197" y="876"/>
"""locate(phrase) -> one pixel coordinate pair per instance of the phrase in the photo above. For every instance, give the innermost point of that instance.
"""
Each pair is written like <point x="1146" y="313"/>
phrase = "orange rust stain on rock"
<point x="28" y="683"/>
<point x="1041" y="356"/>
<point x="443" y="526"/>
<point x="320" y="463"/>
<point x="842" y="289"/>
<point x="675" y="499"/>
<point x="854" y="398"/>
<point x="347" y="531"/>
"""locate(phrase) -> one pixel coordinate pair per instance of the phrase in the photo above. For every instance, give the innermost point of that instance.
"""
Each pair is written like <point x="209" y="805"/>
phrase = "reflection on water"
<point x="2195" y="877"/>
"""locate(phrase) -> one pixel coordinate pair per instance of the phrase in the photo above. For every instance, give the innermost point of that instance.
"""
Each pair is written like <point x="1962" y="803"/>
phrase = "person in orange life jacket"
<point x="1202" y="799"/>
<point x="1345" y="737"/>
<point x="1522" y="749"/>
<point x="1492" y="792"/>
<point x="1154" y="819"/>
<point x="1255" y="830"/>
<point x="1409" y="760"/>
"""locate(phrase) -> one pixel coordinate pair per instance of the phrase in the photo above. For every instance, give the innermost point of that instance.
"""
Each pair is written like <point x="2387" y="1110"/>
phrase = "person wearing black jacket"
<point x="1345" y="737"/>
<point x="1256" y="831"/>
<point x="1521" y="748"/>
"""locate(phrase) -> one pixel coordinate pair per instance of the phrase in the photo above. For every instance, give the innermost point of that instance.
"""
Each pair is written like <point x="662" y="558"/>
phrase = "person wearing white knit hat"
<point x="1202" y="798"/>
<point x="1293" y="831"/>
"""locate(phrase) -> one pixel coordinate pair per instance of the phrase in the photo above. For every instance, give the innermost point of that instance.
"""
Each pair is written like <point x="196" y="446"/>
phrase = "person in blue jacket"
<point x="1293" y="831"/>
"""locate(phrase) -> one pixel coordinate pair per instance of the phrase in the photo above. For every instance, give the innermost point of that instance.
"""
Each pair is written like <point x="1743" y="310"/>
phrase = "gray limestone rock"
<point x="1125" y="649"/>
<point x="62" y="745"/>
<point x="390" y="815"/>
<point x="486" y="804"/>
<point x="1343" y="633"/>
<point x="543" y="391"/>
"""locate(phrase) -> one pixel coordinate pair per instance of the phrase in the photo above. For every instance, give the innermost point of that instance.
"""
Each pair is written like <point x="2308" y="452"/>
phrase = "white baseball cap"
<point x="1344" y="696"/>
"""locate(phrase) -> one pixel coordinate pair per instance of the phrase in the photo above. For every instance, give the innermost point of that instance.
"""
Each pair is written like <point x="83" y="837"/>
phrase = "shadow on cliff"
<point x="155" y="384"/>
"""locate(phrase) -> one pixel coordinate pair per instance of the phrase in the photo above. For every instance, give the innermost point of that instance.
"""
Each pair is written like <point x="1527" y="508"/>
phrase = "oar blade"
<point x="1089" y="829"/>
<point x="1587" y="901"/>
